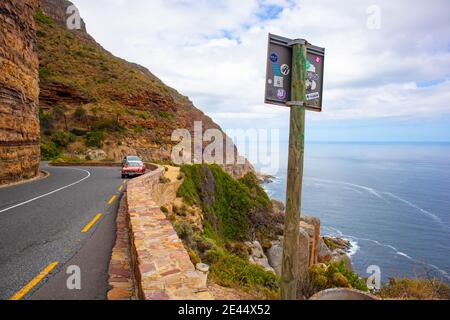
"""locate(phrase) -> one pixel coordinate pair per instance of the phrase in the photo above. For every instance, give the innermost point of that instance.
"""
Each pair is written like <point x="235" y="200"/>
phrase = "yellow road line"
<point x="34" y="282"/>
<point x="121" y="188"/>
<point x="112" y="199"/>
<point x="90" y="224"/>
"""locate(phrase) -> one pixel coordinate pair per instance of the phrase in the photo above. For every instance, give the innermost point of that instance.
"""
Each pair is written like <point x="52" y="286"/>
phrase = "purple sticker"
<point x="281" y="94"/>
<point x="318" y="59"/>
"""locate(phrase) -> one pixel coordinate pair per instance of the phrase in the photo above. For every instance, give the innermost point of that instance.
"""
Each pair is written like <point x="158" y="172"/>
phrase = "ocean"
<point x="391" y="200"/>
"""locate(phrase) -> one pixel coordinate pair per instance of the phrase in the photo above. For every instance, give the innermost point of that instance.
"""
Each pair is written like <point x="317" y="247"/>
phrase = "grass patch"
<point x="415" y="288"/>
<point x="228" y="206"/>
<point x="42" y="18"/>
<point x="94" y="139"/>
<point x="235" y="209"/>
<point x="50" y="151"/>
<point x="335" y="275"/>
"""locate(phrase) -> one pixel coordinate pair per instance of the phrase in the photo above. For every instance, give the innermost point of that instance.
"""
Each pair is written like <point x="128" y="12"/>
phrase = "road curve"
<point x="41" y="224"/>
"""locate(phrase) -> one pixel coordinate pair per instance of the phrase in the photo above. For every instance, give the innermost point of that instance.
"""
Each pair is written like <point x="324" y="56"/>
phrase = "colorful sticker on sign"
<point x="276" y="69"/>
<point x="274" y="57"/>
<point x="278" y="82"/>
<point x="312" y="96"/>
<point x="285" y="69"/>
<point x="310" y="67"/>
<point x="281" y="94"/>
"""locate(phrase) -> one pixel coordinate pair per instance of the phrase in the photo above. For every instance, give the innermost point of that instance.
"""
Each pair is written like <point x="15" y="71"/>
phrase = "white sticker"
<point x="269" y="81"/>
<point x="311" y="85"/>
<point x="312" y="96"/>
<point x="285" y="69"/>
<point x="278" y="82"/>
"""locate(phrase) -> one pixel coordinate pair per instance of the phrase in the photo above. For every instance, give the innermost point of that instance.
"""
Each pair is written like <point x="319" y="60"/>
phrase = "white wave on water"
<point x="431" y="215"/>
<point x="354" y="249"/>
<point x="379" y="194"/>
<point x="365" y="188"/>
<point x="335" y="232"/>
<point x="396" y="251"/>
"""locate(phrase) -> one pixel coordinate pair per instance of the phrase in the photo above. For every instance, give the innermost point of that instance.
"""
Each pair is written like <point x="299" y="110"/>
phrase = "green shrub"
<point x="164" y="209"/>
<point x="42" y="18"/>
<point x="165" y="115"/>
<point x="335" y="275"/>
<point x="49" y="151"/>
<point x="232" y="271"/>
<point x="107" y="124"/>
<point x="40" y="34"/>
<point x="228" y="204"/>
<point x="63" y="139"/>
<point x="79" y="132"/>
<point x="138" y="128"/>
<point x="80" y="113"/>
<point x="184" y="231"/>
<point x="44" y="73"/>
<point x="44" y="120"/>
<point x="95" y="139"/>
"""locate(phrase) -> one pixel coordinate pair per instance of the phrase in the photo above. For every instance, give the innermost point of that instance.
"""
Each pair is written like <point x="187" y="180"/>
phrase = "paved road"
<point x="41" y="225"/>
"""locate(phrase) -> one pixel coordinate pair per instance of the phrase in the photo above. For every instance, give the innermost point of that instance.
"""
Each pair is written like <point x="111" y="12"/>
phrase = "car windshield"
<point x="134" y="159"/>
<point x="134" y="163"/>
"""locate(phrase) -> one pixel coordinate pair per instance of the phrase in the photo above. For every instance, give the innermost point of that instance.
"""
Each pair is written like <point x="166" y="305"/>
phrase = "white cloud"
<point x="215" y="52"/>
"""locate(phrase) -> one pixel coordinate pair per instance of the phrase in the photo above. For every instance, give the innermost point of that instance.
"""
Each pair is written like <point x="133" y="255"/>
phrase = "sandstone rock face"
<point x="19" y="92"/>
<point x="275" y="255"/>
<point x="257" y="255"/>
<point x="309" y="241"/>
<point x="323" y="253"/>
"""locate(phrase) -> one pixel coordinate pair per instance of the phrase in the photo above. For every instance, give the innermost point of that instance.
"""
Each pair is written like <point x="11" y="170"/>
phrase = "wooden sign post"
<point x="305" y="63"/>
<point x="290" y="262"/>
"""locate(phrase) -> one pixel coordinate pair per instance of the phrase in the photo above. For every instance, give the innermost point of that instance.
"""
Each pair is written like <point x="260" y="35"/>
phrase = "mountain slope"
<point x="111" y="106"/>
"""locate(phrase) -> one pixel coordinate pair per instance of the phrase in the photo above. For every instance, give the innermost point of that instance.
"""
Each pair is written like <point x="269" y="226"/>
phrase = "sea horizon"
<point x="390" y="199"/>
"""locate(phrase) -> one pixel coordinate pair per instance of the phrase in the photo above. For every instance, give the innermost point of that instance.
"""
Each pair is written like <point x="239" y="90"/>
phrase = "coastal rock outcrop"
<point x="313" y="248"/>
<point x="257" y="255"/>
<point x="19" y="92"/>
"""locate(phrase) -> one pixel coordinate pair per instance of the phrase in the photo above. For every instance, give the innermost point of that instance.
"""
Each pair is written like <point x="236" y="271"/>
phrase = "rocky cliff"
<point x="97" y="106"/>
<point x="19" y="91"/>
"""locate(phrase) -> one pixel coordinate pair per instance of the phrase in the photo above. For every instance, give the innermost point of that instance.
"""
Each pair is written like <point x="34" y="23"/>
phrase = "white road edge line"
<point x="49" y="193"/>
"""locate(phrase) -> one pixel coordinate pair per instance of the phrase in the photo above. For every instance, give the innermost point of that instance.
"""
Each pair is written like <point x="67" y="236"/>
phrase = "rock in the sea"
<point x="337" y="243"/>
<point x="257" y="255"/>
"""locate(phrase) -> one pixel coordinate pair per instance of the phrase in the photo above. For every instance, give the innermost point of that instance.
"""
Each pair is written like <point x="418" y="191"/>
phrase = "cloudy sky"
<point x="386" y="79"/>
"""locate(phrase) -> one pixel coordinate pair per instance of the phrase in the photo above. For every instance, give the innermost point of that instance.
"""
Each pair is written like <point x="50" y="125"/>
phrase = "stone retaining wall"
<point x="161" y="265"/>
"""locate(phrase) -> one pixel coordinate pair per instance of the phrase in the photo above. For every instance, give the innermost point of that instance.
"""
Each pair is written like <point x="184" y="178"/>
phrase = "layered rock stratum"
<point x="19" y="91"/>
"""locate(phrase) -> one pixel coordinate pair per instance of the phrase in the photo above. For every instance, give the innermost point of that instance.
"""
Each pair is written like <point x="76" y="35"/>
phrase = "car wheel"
<point x="124" y="176"/>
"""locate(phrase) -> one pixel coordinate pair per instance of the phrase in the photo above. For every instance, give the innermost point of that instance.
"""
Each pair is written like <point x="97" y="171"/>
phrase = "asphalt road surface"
<point x="49" y="225"/>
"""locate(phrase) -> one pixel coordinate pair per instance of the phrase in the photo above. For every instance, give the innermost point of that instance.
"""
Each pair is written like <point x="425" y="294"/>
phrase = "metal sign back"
<point x="278" y="73"/>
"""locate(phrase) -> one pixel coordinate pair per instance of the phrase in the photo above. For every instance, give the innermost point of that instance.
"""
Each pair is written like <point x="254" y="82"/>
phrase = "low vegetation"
<point x="335" y="275"/>
<point x="415" y="289"/>
<point x="228" y="206"/>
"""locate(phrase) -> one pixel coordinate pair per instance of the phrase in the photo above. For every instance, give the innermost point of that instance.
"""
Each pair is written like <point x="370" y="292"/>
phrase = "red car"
<point x="133" y="168"/>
